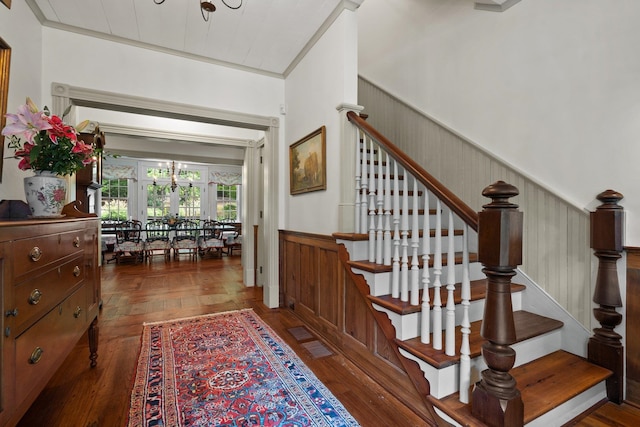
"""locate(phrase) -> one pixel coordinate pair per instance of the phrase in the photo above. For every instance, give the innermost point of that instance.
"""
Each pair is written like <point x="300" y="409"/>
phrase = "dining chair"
<point x="210" y="241"/>
<point x="157" y="240"/>
<point x="186" y="238"/>
<point x="233" y="240"/>
<point x="129" y="245"/>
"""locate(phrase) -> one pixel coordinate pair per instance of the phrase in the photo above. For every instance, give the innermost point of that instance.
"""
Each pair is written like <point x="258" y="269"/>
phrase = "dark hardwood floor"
<point x="79" y="396"/>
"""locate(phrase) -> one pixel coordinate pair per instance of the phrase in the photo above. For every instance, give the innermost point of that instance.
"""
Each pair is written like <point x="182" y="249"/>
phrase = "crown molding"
<point x="351" y="5"/>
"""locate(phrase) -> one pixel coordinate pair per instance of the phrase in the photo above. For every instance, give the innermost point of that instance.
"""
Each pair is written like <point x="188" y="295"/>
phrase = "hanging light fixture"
<point x="208" y="6"/>
<point x="171" y="171"/>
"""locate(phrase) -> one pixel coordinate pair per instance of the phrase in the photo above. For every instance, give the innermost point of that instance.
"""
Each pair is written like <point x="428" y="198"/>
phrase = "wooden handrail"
<point x="466" y="213"/>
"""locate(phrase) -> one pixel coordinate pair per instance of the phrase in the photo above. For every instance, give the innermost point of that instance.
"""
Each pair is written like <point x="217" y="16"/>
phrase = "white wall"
<point x="21" y="31"/>
<point x="114" y="67"/>
<point x="551" y="87"/>
<point x="324" y="79"/>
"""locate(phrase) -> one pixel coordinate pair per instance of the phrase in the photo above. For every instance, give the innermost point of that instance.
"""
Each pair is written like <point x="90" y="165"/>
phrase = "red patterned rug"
<point x="226" y="369"/>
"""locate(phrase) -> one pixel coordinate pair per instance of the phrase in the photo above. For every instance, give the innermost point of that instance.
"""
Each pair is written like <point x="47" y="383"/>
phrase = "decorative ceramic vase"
<point x="46" y="193"/>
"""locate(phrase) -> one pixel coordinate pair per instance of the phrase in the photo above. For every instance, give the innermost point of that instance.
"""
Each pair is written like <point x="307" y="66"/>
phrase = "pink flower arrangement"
<point x="43" y="142"/>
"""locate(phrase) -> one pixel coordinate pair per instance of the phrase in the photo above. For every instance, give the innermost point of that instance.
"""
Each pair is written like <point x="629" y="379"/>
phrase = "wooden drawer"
<point x="38" y="295"/>
<point x="54" y="336"/>
<point x="37" y="252"/>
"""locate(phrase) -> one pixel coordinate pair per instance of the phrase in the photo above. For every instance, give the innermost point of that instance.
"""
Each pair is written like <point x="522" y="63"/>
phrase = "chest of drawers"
<point x="50" y="295"/>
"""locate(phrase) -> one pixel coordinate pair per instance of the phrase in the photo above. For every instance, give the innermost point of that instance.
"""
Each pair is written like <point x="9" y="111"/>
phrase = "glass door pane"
<point x="158" y="201"/>
<point x="190" y="201"/>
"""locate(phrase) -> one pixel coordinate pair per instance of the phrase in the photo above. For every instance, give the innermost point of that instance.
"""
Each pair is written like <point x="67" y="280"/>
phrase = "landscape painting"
<point x="307" y="163"/>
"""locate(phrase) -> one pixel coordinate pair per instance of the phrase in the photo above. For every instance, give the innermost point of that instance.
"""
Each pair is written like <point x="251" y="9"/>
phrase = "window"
<point x="227" y="203"/>
<point x="115" y="202"/>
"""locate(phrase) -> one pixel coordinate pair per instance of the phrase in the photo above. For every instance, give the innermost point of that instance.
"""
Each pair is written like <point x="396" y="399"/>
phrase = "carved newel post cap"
<point x="500" y="192"/>
<point x="610" y="199"/>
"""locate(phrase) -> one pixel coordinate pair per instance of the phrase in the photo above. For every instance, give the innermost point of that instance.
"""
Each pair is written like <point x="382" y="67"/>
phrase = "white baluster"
<point x="437" y="272"/>
<point x="372" y="203"/>
<point x="404" y="230"/>
<point x="395" y="269"/>
<point x="387" y="212"/>
<point x="450" y="344"/>
<point x="379" y="207"/>
<point x="364" y="207"/>
<point x="425" y="324"/>
<point x="465" y="351"/>
<point x="358" y="178"/>
<point x="415" y="244"/>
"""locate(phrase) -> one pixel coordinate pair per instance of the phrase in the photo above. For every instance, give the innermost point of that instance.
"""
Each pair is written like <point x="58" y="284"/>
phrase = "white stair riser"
<point x="408" y="325"/>
<point x="356" y="249"/>
<point x="572" y="408"/>
<point x="380" y="283"/>
<point x="360" y="249"/>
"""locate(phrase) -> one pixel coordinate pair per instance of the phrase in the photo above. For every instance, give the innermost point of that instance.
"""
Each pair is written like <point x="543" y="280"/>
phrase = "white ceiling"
<point x="263" y="35"/>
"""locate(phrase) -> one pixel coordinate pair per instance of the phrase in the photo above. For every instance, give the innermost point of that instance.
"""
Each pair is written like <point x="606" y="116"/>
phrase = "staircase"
<point x="433" y="270"/>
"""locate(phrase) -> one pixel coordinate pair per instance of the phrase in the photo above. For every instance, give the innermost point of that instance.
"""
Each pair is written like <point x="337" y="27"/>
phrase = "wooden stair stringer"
<point x="412" y="368"/>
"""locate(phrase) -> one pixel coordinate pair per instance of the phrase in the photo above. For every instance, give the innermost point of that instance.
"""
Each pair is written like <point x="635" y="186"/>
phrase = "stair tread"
<point x="372" y="267"/>
<point x="361" y="237"/>
<point x="544" y="384"/>
<point x="528" y="325"/>
<point x="478" y="291"/>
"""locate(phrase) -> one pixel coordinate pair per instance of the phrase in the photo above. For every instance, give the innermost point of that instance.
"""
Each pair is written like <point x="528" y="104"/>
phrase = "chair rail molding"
<point x="495" y="5"/>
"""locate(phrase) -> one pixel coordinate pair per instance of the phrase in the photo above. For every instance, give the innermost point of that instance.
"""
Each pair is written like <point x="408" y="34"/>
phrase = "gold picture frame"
<point x="308" y="163"/>
<point x="5" y="62"/>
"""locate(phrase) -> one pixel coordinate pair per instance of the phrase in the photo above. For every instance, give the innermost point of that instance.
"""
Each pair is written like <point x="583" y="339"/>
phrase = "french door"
<point x="183" y="202"/>
<point x="164" y="196"/>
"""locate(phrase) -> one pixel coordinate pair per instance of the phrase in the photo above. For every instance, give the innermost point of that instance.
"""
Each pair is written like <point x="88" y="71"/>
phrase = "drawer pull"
<point x="76" y="242"/>
<point x="77" y="312"/>
<point x="35" y="296"/>
<point x="13" y="313"/>
<point x="35" y="253"/>
<point x="7" y="332"/>
<point x="36" y="355"/>
<point x="76" y="271"/>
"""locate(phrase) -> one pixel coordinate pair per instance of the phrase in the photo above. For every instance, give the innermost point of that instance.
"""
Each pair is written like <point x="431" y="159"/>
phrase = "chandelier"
<point x="171" y="171"/>
<point x="208" y="7"/>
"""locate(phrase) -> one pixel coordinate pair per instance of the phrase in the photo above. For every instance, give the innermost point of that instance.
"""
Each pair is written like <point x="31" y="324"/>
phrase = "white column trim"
<point x="346" y="207"/>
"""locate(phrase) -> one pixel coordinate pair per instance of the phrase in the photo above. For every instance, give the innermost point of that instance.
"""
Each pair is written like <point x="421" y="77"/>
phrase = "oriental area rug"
<point x="226" y="369"/>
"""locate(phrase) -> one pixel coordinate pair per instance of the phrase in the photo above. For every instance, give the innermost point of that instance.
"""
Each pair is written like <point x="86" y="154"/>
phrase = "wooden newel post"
<point x="495" y="399"/>
<point x="605" y="347"/>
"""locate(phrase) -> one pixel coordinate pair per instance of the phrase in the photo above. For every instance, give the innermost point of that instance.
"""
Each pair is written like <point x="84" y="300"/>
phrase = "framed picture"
<point x="307" y="163"/>
<point x="5" y="62"/>
<point x="6" y="3"/>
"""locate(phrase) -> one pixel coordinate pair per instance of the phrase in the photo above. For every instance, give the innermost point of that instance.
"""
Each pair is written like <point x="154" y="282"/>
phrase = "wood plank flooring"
<point x="79" y="396"/>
